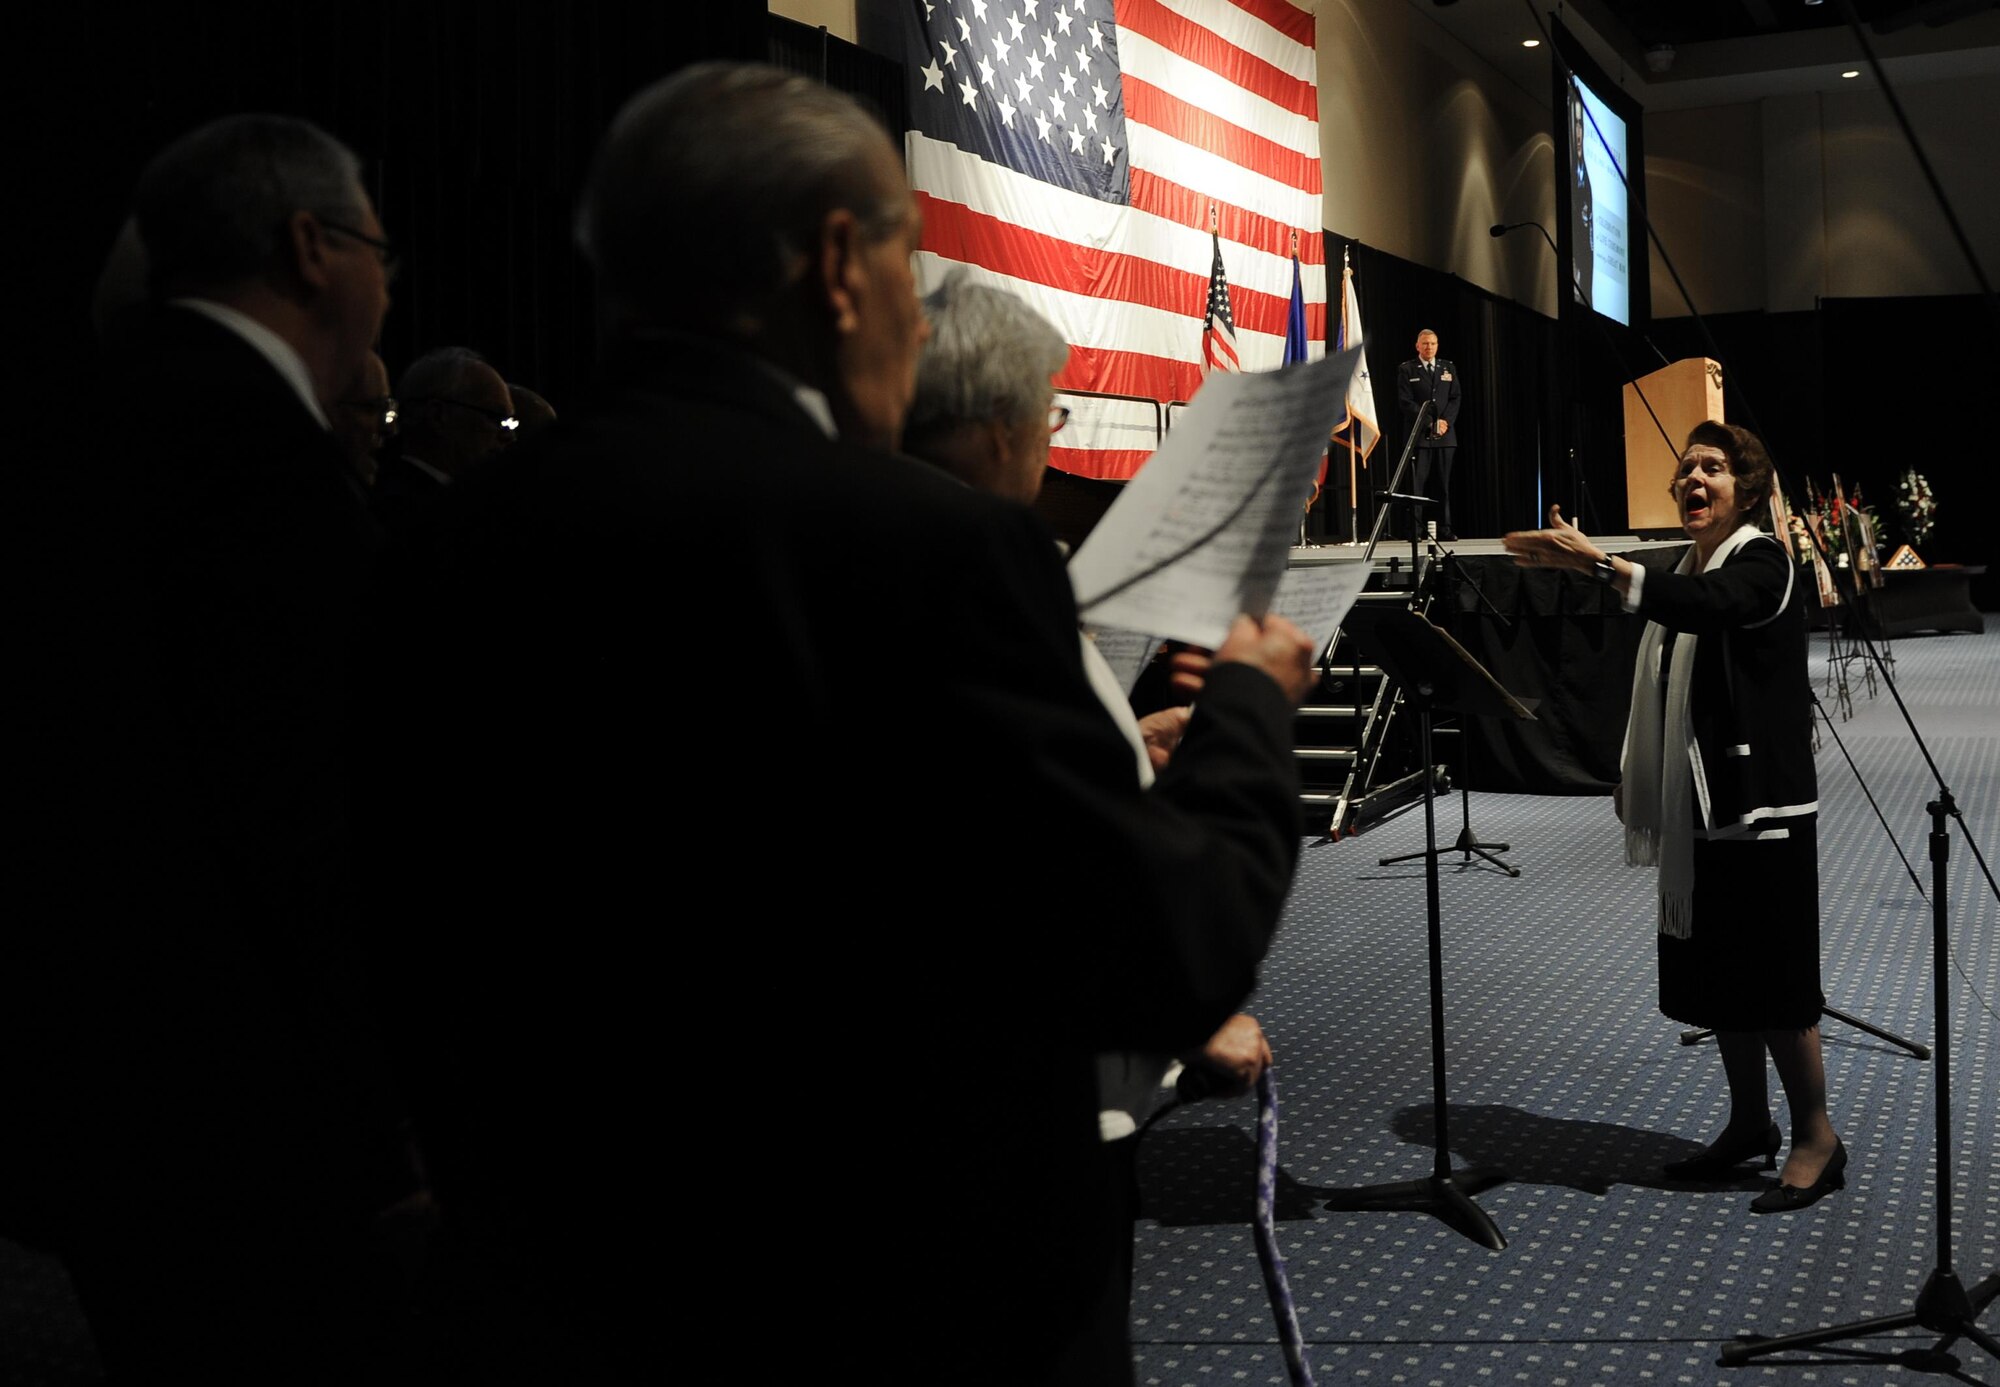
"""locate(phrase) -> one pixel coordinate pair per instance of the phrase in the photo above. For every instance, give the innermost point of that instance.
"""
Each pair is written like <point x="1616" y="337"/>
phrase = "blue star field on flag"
<point x="1032" y="85"/>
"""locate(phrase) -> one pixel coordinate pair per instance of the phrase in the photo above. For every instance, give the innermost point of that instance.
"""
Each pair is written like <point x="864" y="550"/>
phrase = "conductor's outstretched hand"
<point x="1562" y="545"/>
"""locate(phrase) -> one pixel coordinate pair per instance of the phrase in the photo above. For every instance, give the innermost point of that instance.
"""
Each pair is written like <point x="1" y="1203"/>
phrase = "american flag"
<point x="1070" y="152"/>
<point x="1218" y="334"/>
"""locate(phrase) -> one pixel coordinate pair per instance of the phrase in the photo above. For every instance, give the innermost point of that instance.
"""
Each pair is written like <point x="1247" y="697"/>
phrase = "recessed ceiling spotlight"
<point x="1812" y="2"/>
<point x="1852" y="72"/>
<point x="1531" y="43"/>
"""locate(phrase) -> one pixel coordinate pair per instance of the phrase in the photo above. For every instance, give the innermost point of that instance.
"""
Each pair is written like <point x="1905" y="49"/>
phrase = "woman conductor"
<point x="1719" y="793"/>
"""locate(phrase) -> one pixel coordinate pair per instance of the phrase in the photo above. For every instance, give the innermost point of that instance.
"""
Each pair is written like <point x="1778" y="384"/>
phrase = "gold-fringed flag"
<point x="1359" y="423"/>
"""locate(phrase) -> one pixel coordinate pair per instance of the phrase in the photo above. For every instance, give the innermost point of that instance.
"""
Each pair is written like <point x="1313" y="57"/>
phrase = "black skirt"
<point x="1751" y="962"/>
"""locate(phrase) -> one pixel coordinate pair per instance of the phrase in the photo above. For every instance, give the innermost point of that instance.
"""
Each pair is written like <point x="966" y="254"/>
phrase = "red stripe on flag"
<point x="1183" y="36"/>
<point x="956" y="232"/>
<point x="1113" y="372"/>
<point x="1287" y="19"/>
<point x="1219" y="351"/>
<point x="1104" y="464"/>
<point x="1189" y="124"/>
<point x="1165" y="198"/>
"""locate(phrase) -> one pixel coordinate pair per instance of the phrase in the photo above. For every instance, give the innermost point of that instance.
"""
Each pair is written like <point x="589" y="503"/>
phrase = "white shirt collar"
<point x="809" y="399"/>
<point x="814" y="402"/>
<point x="267" y="344"/>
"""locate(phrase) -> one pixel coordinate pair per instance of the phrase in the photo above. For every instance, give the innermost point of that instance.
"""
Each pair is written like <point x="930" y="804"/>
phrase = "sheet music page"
<point x="1127" y="652"/>
<point x="1215" y="510"/>
<point x="1318" y="597"/>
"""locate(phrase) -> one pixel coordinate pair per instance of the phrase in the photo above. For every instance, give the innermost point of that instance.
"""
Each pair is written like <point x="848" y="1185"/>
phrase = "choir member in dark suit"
<point x="452" y="411"/>
<point x="985" y="412"/>
<point x="780" y="822"/>
<point x="220" y="1143"/>
<point x="364" y="419"/>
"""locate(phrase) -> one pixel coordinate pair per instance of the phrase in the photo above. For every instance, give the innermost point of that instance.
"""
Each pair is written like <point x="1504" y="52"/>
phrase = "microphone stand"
<point x="1410" y="501"/>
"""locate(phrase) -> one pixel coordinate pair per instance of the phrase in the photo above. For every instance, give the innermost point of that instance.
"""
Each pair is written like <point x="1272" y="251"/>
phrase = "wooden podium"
<point x="1682" y="395"/>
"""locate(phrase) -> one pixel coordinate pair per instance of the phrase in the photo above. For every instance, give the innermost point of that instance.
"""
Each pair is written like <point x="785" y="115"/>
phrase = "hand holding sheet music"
<point x="1204" y="531"/>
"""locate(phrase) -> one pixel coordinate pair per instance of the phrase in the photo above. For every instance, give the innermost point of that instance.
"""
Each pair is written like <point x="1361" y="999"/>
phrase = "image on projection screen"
<point x="1600" y="229"/>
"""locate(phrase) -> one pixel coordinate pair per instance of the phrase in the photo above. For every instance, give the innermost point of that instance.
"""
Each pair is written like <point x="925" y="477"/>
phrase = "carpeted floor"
<point x="1563" y="1074"/>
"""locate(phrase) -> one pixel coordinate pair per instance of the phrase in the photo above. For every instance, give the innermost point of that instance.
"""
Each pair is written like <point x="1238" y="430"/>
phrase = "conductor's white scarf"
<point x="1662" y="764"/>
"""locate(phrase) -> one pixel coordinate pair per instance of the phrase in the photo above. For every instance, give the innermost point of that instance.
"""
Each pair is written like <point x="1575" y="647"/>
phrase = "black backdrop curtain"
<point x="475" y="123"/>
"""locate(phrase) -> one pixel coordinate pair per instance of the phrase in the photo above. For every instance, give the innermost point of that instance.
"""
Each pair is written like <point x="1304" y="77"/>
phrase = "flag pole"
<point x="1353" y="500"/>
<point x="1353" y="510"/>
<point x="1305" y="516"/>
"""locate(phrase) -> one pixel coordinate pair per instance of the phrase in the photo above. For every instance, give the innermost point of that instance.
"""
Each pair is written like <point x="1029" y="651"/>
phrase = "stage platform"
<point x="1466" y="549"/>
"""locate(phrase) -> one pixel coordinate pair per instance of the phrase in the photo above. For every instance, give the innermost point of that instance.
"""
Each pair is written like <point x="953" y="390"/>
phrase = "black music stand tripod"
<point x="1467" y="843"/>
<point x="1436" y="672"/>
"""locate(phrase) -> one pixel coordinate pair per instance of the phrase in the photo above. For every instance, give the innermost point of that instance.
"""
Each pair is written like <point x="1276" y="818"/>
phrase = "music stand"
<point x="1410" y="502"/>
<point x="1436" y="672"/>
<point x="1467" y="843"/>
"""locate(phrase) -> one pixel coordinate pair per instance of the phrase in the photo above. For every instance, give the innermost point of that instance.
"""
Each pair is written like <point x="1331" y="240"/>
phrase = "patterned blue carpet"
<point x="1563" y="1073"/>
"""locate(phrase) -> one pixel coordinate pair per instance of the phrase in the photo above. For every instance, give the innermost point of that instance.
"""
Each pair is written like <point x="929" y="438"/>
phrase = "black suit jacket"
<point x="1415" y="385"/>
<point x="404" y="495"/>
<point x="1751" y="700"/>
<point x="198" y="1029"/>
<point x="787" y="839"/>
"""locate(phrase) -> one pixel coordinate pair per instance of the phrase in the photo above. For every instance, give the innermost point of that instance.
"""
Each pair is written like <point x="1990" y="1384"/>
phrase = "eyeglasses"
<point x="1058" y="418"/>
<point x="385" y="251"/>
<point x="499" y="419"/>
<point x="381" y="408"/>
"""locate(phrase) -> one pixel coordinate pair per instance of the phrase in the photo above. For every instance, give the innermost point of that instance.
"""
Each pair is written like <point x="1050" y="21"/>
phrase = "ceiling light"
<point x="1531" y="43"/>
<point x="1852" y="72"/>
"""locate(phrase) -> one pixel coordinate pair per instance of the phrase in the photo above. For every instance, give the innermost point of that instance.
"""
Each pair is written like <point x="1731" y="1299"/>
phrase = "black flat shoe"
<point x="1785" y="1198"/>
<point x="1722" y="1158"/>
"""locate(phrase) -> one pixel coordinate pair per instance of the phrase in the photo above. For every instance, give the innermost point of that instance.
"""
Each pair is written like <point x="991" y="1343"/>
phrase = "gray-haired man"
<point x="225" y="1137"/>
<point x="720" y="646"/>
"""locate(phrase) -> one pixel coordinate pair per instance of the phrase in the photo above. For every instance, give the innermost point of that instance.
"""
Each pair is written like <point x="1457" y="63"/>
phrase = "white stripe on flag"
<point x="1111" y="324"/>
<point x="945" y="172"/>
<point x="1211" y="91"/>
<point x="1247" y="32"/>
<point x="1223" y="181"/>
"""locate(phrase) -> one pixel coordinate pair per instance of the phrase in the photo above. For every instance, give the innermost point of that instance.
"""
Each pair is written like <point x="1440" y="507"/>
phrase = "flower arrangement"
<point x="1916" y="507"/>
<point x="1827" y="513"/>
